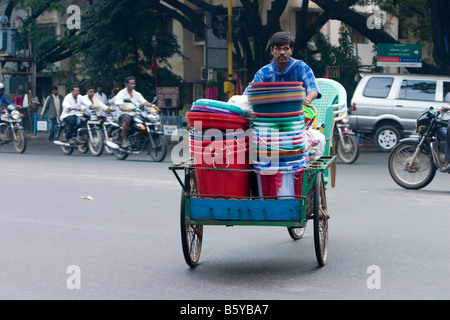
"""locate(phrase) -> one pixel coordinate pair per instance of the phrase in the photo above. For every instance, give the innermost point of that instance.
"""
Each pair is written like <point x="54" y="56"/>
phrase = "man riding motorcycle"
<point x="72" y="104"/>
<point x="4" y="100"/>
<point x="91" y="98"/>
<point x="124" y="112"/>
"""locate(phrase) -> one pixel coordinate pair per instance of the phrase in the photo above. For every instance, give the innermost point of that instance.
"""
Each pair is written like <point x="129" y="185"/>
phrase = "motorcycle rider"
<point x="91" y="98"/>
<point x="72" y="104"/>
<point x="446" y="167"/>
<point x="124" y="111"/>
<point x="285" y="68"/>
<point x="4" y="100"/>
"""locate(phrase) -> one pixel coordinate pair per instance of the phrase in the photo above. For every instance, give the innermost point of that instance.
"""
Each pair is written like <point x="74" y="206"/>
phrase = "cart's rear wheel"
<point x="320" y="221"/>
<point x="296" y="233"/>
<point x="191" y="237"/>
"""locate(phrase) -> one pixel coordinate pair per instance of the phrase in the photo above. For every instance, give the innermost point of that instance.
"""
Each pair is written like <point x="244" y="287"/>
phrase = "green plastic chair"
<point x="332" y="103"/>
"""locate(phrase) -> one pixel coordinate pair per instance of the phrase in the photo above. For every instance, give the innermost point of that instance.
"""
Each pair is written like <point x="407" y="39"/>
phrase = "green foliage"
<point x="115" y="41"/>
<point x="341" y="56"/>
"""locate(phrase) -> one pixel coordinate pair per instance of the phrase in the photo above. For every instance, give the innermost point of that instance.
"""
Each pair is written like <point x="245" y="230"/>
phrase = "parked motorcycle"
<point x="414" y="161"/>
<point x="145" y="135"/>
<point x="89" y="135"/>
<point x="11" y="129"/>
<point x="346" y="143"/>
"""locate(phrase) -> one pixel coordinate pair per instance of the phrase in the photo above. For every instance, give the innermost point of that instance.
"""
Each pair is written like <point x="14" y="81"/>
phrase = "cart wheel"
<point x="191" y="237"/>
<point x="296" y="233"/>
<point x="320" y="221"/>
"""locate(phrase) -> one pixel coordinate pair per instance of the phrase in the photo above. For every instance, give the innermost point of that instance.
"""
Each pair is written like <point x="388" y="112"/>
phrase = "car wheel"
<point x="386" y="138"/>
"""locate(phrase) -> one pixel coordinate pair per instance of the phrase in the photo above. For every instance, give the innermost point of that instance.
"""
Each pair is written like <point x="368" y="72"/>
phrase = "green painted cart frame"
<point x="198" y="210"/>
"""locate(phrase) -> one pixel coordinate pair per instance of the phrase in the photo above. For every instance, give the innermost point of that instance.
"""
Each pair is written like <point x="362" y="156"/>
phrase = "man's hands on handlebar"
<point x="445" y="109"/>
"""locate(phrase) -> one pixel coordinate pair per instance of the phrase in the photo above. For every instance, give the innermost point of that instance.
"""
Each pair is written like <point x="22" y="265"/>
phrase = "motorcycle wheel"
<point x="65" y="149"/>
<point x="158" y="153"/>
<point x="120" y="155"/>
<point x="19" y="141"/>
<point x="350" y="154"/>
<point x="96" y="143"/>
<point x="83" y="148"/>
<point x="418" y="174"/>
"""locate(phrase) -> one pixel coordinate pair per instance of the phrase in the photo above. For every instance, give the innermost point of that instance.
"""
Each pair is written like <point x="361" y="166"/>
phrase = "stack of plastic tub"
<point x="278" y="146"/>
<point x="219" y="145"/>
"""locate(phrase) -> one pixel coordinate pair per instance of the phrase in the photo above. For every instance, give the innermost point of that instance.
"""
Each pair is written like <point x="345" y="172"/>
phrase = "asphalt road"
<point x="384" y="242"/>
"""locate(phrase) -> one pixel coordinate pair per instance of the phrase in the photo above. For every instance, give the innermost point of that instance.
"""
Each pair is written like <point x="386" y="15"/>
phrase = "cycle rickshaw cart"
<point x="197" y="210"/>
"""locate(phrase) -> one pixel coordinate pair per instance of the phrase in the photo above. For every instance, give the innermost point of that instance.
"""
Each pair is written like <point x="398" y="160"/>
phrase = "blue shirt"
<point x="4" y="101"/>
<point x="296" y="70"/>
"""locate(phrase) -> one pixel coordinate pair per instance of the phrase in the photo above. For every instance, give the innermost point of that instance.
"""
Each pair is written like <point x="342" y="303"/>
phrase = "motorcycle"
<point x="11" y="129"/>
<point x="145" y="135"/>
<point x="347" y="145"/>
<point x="414" y="161"/>
<point x="89" y="135"/>
<point x="109" y="125"/>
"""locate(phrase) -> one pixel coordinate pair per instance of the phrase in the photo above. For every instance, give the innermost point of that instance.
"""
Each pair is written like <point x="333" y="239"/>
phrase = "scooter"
<point x="345" y="140"/>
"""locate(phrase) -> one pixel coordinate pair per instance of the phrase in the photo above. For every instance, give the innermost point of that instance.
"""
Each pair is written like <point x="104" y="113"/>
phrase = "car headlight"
<point x="15" y="115"/>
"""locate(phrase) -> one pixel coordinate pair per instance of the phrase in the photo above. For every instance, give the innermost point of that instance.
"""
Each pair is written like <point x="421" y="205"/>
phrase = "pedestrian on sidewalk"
<point x="52" y="108"/>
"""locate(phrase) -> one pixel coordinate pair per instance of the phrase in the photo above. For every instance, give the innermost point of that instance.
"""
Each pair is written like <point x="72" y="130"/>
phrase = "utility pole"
<point x="228" y="86"/>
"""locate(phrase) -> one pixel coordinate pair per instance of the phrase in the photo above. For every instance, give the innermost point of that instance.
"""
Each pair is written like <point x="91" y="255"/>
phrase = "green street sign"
<point x="399" y="55"/>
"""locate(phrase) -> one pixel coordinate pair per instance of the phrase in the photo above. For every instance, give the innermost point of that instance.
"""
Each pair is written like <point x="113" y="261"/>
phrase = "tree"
<point x="116" y="41"/>
<point x="251" y="51"/>
<point x="251" y="55"/>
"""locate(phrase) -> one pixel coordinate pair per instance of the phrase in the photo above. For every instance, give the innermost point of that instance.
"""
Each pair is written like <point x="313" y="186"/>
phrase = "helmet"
<point x="2" y="86"/>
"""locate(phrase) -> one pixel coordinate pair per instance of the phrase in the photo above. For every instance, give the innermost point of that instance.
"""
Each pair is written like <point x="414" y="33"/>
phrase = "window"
<point x="424" y="90"/>
<point x="378" y="87"/>
<point x="403" y="29"/>
<point x="357" y="37"/>
<point x="446" y="91"/>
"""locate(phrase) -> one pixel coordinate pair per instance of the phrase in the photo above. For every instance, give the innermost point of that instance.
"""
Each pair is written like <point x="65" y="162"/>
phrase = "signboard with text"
<point x="399" y="55"/>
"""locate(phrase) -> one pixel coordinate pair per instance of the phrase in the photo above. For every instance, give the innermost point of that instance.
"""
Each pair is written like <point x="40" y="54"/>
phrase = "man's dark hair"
<point x="73" y="87"/>
<point x="128" y="79"/>
<point x="54" y="88"/>
<point x="90" y="87"/>
<point x="281" y="38"/>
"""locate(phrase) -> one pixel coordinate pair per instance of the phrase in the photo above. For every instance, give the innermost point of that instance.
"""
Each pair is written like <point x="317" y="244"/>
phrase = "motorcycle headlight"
<point x="153" y="117"/>
<point x="15" y="115"/>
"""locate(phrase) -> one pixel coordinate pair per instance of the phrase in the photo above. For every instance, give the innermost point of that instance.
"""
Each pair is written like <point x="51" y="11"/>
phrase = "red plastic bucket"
<point x="206" y="120"/>
<point x="280" y="184"/>
<point x="209" y="147"/>
<point x="213" y="182"/>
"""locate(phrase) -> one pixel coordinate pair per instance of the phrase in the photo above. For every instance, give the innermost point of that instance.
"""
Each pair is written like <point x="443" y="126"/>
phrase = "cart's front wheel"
<point x="296" y="233"/>
<point x="320" y="221"/>
<point x="191" y="237"/>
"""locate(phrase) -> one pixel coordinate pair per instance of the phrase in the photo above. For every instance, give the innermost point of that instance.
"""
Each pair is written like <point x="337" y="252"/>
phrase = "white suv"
<point x="385" y="106"/>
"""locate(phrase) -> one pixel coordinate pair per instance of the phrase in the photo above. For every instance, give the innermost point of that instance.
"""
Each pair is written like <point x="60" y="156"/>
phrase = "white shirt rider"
<point x="73" y="105"/>
<point x="136" y="98"/>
